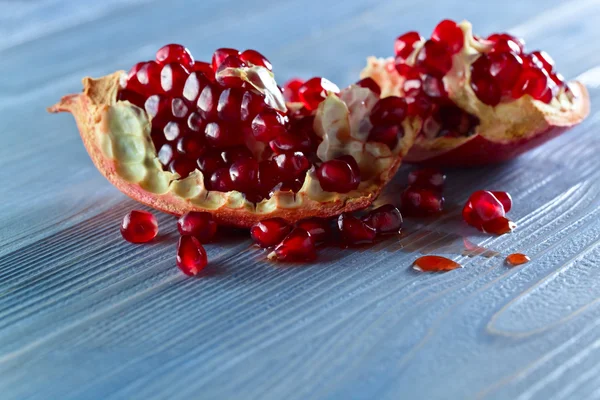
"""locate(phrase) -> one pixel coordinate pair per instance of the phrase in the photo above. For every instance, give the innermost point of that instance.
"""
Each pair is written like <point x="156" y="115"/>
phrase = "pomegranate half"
<point x="181" y="135"/>
<point x="481" y="101"/>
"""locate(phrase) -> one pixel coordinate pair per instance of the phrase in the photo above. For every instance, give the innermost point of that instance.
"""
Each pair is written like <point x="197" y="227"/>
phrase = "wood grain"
<point x="84" y="315"/>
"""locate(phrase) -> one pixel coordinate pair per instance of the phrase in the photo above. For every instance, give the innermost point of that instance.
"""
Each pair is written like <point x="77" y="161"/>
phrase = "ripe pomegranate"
<point x="182" y="136"/>
<point x="480" y="101"/>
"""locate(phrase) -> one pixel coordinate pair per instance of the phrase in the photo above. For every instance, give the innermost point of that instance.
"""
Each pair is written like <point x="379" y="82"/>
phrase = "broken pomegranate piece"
<point x="182" y="136"/>
<point x="480" y="101"/>
<point x="486" y="211"/>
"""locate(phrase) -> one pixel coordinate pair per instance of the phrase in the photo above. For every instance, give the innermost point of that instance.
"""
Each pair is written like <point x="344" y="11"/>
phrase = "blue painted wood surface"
<point x="84" y="315"/>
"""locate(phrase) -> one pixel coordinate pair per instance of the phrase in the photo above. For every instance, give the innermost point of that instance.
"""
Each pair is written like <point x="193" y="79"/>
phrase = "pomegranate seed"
<point x="544" y="59"/>
<point x="370" y="84"/>
<point x="234" y="154"/>
<point x="149" y="77"/>
<point x="388" y="135"/>
<point x="192" y="147"/>
<point x="267" y="125"/>
<point x="318" y="228"/>
<point x="252" y="104"/>
<point x="449" y="33"/>
<point x="428" y="178"/>
<point x="182" y="166"/>
<point x="207" y="102"/>
<point x="385" y="219"/>
<point x="194" y="83"/>
<point x="220" y="135"/>
<point x="173" y="78"/>
<point x="209" y="163"/>
<point x="191" y="256"/>
<point x="268" y="176"/>
<point x="226" y="79"/>
<point x="205" y="69"/>
<point x="389" y="110"/>
<point x="405" y="44"/>
<point x="339" y="175"/>
<point x="179" y="108"/>
<point x="434" y="59"/>
<point x="270" y="232"/>
<point x="505" y="69"/>
<point x="504" y="43"/>
<point x="291" y="88"/>
<point x="255" y="58"/>
<point x="293" y="185"/>
<point x="139" y="226"/>
<point x="434" y="87"/>
<point x="174" y="53"/>
<point x="220" y="55"/>
<point x="165" y="154"/>
<point x="419" y="105"/>
<point x="197" y="224"/>
<point x="299" y="245"/>
<point x="355" y="231"/>
<point x="155" y="105"/>
<point x="243" y="174"/>
<point x="229" y="104"/>
<point x="131" y="82"/>
<point x="292" y="166"/>
<point x="172" y="131"/>
<point x="420" y="202"/>
<point x="532" y="81"/>
<point x="314" y="91"/>
<point x="289" y="143"/>
<point x="481" y="207"/>
<point x="431" y="127"/>
<point x="195" y="122"/>
<point x="486" y="90"/>
<point x="558" y="79"/>
<point x="221" y="181"/>
<point x="498" y="226"/>
<point x="517" y="259"/>
<point x="505" y="199"/>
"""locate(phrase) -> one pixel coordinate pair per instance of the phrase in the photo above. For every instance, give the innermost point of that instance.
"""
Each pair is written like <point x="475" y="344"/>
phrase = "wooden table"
<point x="85" y="315"/>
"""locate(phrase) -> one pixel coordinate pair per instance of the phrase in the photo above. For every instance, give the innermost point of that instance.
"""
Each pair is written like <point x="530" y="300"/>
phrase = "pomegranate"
<point x="182" y="136"/>
<point x="139" y="226"/>
<point x="480" y="101"/>
<point x="486" y="211"/>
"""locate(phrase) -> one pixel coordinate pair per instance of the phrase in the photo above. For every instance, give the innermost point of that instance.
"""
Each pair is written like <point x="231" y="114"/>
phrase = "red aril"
<point x="421" y="202"/>
<point x="314" y="91"/>
<point x="431" y="178"/>
<point x="173" y="78"/>
<point x="354" y="231"/>
<point x="498" y="226"/>
<point x="504" y="198"/>
<point x="385" y="219"/>
<point x="544" y="59"/>
<point x="200" y="225"/>
<point x="139" y="227"/>
<point x="434" y="59"/>
<point x="503" y="43"/>
<point x="191" y="256"/>
<point x="175" y="53"/>
<point x="253" y="57"/>
<point x="268" y="125"/>
<point x="339" y="175"/>
<point x="369" y="83"/>
<point x="405" y="44"/>
<point x="449" y="34"/>
<point x="269" y="232"/>
<point x="532" y="81"/>
<point x="299" y="245"/>
<point x="388" y="135"/>
<point x="244" y="174"/>
<point x="318" y="228"/>
<point x="222" y="76"/>
<point x="220" y="55"/>
<point x="389" y="110"/>
<point x="291" y="89"/>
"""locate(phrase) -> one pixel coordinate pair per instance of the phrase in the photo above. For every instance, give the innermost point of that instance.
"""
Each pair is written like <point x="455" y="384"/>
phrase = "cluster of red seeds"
<point x="487" y="210"/>
<point x="423" y="195"/>
<point x="298" y="242"/>
<point x="221" y="125"/>
<point x="424" y="88"/>
<point x="507" y="72"/>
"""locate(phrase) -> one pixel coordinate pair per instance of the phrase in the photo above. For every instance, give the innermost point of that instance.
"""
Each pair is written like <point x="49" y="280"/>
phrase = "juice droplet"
<point x="434" y="263"/>
<point x="517" y="259"/>
<point x="499" y="226"/>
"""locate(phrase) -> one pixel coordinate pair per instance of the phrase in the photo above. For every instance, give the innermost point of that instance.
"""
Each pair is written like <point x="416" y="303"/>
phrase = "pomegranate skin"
<point x="478" y="150"/>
